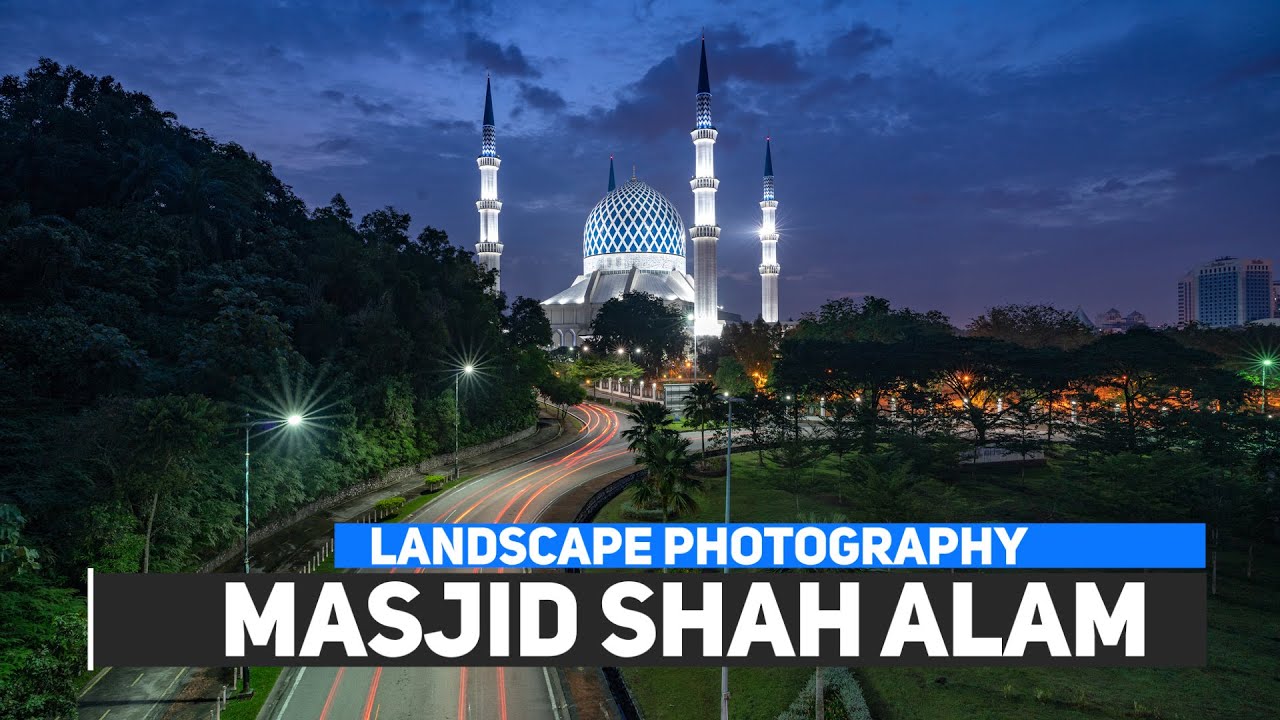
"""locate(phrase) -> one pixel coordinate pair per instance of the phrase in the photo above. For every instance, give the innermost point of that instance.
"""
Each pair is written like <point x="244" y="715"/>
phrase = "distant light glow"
<point x="294" y="420"/>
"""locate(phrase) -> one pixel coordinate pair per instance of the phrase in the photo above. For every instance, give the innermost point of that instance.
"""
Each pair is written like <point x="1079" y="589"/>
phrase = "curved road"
<point x="516" y="494"/>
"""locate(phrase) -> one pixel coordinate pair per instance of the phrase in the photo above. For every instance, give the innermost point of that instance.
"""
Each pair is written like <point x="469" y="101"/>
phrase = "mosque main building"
<point x="634" y="239"/>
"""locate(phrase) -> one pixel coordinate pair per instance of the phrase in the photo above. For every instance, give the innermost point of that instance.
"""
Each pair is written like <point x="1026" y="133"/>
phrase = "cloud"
<point x="486" y="54"/>
<point x="858" y="41"/>
<point x="370" y="107"/>
<point x="541" y="98"/>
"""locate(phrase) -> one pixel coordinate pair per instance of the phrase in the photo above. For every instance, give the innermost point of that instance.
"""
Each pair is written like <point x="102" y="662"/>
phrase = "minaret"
<point x="489" y="249"/>
<point x="768" y="243"/>
<point x="613" y="185"/>
<point x="705" y="233"/>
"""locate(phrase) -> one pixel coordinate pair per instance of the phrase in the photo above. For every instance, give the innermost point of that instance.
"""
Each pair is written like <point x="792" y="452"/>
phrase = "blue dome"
<point x="635" y="218"/>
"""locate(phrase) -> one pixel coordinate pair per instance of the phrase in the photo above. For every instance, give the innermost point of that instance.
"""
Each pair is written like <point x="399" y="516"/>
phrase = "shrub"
<point x="841" y="694"/>
<point x="389" y="506"/>
<point x="434" y="483"/>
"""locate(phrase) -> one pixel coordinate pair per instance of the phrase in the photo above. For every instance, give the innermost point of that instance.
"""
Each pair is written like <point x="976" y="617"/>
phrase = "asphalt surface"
<point x="516" y="494"/>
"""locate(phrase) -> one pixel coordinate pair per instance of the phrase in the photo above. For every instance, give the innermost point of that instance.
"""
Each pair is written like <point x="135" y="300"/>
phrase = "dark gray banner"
<point x="865" y="618"/>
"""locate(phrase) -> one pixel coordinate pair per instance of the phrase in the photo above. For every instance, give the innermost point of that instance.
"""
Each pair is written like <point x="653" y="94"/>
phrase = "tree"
<point x="647" y="419"/>
<point x="1032" y="326"/>
<point x="753" y="345"/>
<point x="648" y="329"/>
<point x="838" y="429"/>
<point x="668" y="484"/>
<point x="700" y="407"/>
<point x="732" y="378"/>
<point x="793" y="448"/>
<point x="527" y="325"/>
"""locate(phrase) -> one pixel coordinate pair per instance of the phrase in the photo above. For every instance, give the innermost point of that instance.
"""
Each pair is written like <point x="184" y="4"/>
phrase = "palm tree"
<point x="700" y="407"/>
<point x="668" y="485"/>
<point x="647" y="418"/>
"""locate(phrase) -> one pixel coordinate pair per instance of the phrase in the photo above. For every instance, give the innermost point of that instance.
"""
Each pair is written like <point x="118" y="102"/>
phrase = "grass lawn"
<point x="1241" y="681"/>
<point x="683" y="693"/>
<point x="262" y="679"/>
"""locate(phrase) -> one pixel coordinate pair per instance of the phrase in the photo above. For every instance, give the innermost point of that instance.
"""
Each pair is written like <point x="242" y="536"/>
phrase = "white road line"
<point x="555" y="710"/>
<point x="165" y="697"/>
<point x="296" y="679"/>
<point x="108" y="712"/>
<point x="135" y="680"/>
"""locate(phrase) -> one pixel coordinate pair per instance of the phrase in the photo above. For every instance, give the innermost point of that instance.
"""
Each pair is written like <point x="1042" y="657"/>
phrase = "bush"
<point x="434" y="483"/>
<point x="390" y="505"/>
<point x="841" y="694"/>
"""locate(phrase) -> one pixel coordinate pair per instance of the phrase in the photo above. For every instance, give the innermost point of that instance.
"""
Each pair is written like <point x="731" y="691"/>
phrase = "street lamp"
<point x="1265" y="362"/>
<point x="728" y="479"/>
<point x="292" y="421"/>
<point x="467" y="369"/>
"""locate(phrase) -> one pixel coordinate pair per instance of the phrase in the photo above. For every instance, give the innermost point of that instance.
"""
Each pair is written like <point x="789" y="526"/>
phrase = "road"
<point x="516" y="494"/>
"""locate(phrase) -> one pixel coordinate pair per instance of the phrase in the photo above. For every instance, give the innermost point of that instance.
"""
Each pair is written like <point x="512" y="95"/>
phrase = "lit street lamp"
<point x="1265" y="363"/>
<point x="728" y="479"/>
<point x="292" y="421"/>
<point x="457" y="413"/>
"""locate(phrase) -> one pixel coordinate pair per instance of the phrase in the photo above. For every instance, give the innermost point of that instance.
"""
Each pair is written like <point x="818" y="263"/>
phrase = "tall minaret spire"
<point x="705" y="233"/>
<point x="613" y="184"/>
<point x="489" y="248"/>
<point x="768" y="243"/>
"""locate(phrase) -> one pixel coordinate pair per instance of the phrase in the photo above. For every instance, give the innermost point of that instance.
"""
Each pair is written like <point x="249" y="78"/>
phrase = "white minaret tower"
<point x="705" y="233"/>
<point x="768" y="243"/>
<point x="489" y="249"/>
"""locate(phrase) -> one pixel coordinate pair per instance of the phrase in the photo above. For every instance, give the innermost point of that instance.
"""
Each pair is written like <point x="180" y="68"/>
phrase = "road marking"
<point x="555" y="709"/>
<point x="135" y="680"/>
<point x="96" y="679"/>
<point x="164" y="696"/>
<point x="108" y="712"/>
<point x="297" y="678"/>
<point x="377" y="709"/>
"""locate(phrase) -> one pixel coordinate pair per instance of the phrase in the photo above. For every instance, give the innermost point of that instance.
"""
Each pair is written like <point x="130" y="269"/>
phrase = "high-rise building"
<point x="1228" y="292"/>
<point x="1187" y="300"/>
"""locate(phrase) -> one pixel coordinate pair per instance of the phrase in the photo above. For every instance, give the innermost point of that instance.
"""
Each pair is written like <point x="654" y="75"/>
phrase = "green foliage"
<point x="647" y="418"/>
<point x="649" y="329"/>
<point x="156" y="284"/>
<point x="668" y="485"/>
<point x="389" y="506"/>
<point x="732" y="378"/>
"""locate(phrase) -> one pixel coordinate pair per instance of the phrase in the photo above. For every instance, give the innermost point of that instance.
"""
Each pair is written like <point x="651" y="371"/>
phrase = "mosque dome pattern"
<point x="634" y="218"/>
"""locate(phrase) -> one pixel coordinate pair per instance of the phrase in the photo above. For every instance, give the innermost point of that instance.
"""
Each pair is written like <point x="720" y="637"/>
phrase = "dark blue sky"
<point x="944" y="155"/>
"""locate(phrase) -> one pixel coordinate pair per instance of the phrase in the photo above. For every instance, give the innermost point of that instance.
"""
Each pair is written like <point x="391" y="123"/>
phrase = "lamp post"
<point x="728" y="480"/>
<point x="293" y="420"/>
<point x="457" y="413"/>
<point x="1266" y="362"/>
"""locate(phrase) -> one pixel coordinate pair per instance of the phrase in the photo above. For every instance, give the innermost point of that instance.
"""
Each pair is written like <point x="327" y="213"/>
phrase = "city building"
<point x="1112" y="321"/>
<point x="1228" y="292"/>
<point x="634" y="240"/>
<point x="1187" y="300"/>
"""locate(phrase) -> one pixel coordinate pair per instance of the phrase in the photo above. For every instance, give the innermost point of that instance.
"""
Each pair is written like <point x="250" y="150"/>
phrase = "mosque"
<point x="634" y="239"/>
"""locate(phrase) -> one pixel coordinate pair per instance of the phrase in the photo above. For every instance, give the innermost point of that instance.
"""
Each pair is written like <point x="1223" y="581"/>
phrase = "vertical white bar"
<point x="90" y="624"/>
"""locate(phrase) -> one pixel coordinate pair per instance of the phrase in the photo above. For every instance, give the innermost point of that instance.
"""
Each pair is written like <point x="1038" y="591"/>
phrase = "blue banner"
<point x="772" y="546"/>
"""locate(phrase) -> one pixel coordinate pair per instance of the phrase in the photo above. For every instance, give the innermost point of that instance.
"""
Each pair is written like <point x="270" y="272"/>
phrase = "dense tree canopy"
<point x="156" y="285"/>
<point x="647" y="329"/>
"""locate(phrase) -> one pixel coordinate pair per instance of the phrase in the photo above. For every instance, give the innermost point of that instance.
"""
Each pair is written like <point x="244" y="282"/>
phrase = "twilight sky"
<point x="945" y="155"/>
